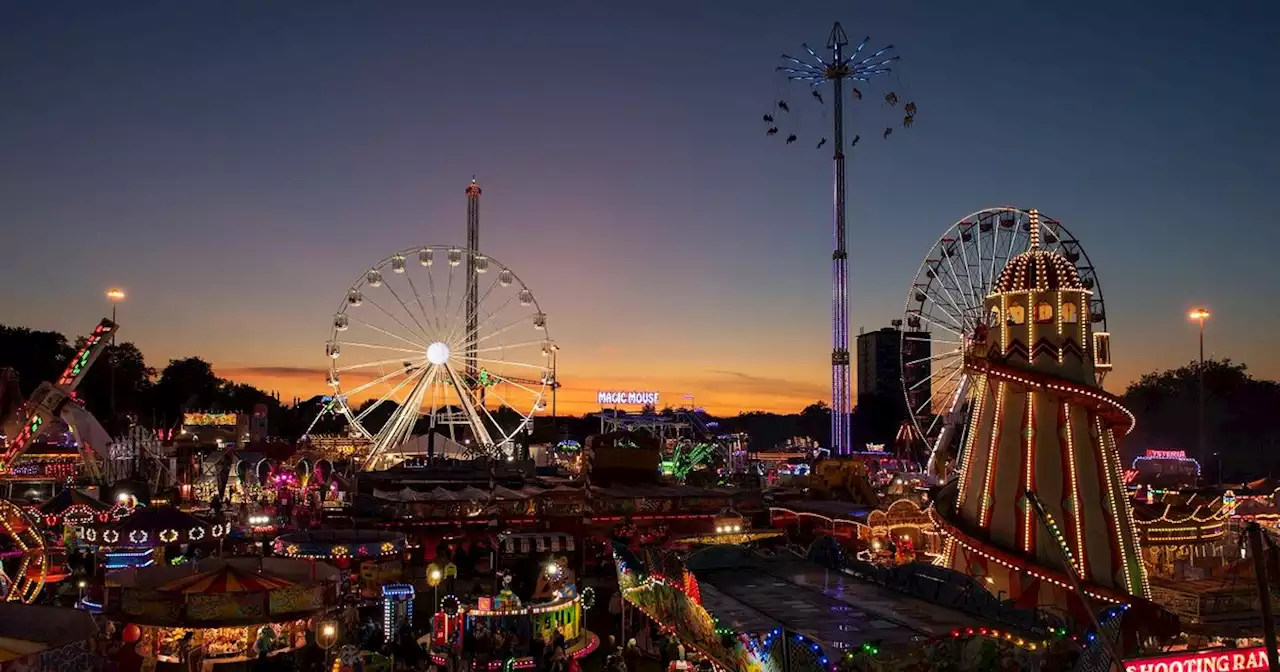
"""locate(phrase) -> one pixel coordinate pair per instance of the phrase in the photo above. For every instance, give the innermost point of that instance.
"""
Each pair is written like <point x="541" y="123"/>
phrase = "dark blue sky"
<point x="236" y="165"/>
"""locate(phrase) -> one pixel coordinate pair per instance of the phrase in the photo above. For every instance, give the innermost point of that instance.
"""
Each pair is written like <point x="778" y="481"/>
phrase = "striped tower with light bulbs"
<point x="1041" y="423"/>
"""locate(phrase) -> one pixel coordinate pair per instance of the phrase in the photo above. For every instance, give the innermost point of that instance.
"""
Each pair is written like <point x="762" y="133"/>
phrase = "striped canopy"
<point x="225" y="580"/>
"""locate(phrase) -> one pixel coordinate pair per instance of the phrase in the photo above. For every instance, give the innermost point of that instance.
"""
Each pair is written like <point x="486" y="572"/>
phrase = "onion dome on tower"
<point x="1041" y="424"/>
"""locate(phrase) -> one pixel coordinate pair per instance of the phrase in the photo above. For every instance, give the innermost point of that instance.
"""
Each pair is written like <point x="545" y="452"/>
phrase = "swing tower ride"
<point x="817" y="71"/>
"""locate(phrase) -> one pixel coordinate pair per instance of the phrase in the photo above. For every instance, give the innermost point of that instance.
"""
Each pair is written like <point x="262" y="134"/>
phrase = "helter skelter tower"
<point x="855" y="67"/>
<point x="1041" y="424"/>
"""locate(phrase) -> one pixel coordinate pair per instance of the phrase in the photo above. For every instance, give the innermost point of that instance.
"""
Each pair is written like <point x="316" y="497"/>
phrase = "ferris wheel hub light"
<point x="437" y="353"/>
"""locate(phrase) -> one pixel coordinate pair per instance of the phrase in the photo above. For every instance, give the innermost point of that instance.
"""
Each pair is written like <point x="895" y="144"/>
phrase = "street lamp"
<point x="433" y="580"/>
<point x="1200" y="315"/>
<point x="114" y="295"/>
<point x="326" y="637"/>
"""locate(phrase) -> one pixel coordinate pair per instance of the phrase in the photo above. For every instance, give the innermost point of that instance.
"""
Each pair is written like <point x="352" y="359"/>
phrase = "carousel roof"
<point x="69" y="497"/>
<point x="226" y="579"/>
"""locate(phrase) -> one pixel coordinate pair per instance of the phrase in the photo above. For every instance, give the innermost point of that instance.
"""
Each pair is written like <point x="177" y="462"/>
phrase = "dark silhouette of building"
<point x="880" y="363"/>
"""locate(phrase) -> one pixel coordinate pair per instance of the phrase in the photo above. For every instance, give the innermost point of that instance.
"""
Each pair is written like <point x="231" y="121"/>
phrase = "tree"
<point x="815" y="423"/>
<point x="241" y="398"/>
<point x="184" y="385"/>
<point x="132" y="382"/>
<point x="36" y="356"/>
<point x="1239" y="418"/>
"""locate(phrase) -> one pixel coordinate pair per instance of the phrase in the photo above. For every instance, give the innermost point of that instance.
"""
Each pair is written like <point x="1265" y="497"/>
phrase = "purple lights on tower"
<point x="816" y="72"/>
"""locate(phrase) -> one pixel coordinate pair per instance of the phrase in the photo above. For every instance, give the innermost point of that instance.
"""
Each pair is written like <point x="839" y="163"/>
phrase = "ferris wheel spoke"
<point x="469" y="404"/>
<point x="496" y="332"/>
<point x="960" y="311"/>
<point x="448" y="300"/>
<point x="417" y="298"/>
<point x="384" y="362"/>
<point x="400" y="426"/>
<point x="361" y="388"/>
<point x="931" y="358"/>
<point x="509" y="363"/>
<point x="421" y="347"/>
<point x="968" y="273"/>
<point x="953" y="325"/>
<point x="936" y="323"/>
<point x="995" y="245"/>
<point x="962" y="288"/>
<point x="509" y="346"/>
<point x="513" y="382"/>
<point x="379" y="347"/>
<point x="423" y="330"/>
<point x="408" y="377"/>
<point x="479" y="301"/>
<point x="397" y="320"/>
<point x="926" y="379"/>
<point x="484" y="322"/>
<point x="1013" y="238"/>
<point x="943" y="385"/>
<point x="920" y="339"/>
<point x="523" y="418"/>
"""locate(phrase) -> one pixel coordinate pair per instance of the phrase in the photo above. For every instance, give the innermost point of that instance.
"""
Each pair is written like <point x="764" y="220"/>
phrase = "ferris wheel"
<point x="438" y="339"/>
<point x="945" y="306"/>
<point x="24" y="565"/>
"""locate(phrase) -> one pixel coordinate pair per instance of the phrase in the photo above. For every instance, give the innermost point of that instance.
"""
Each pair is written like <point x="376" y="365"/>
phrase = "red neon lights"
<point x="1210" y="660"/>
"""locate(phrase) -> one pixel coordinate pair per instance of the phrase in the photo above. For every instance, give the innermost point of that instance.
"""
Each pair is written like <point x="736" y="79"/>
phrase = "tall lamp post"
<point x="1200" y="315"/>
<point x="115" y="295"/>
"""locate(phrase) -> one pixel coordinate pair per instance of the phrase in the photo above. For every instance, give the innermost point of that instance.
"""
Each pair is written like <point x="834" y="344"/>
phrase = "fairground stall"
<point x="233" y="608"/>
<point x="503" y="625"/>
<point x="1183" y="535"/>
<point x="371" y="557"/>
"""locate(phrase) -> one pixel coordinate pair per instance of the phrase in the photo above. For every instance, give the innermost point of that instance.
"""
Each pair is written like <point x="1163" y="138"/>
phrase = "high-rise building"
<point x="880" y="362"/>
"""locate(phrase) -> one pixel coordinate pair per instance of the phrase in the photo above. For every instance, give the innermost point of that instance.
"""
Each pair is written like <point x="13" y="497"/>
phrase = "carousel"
<point x="234" y="608"/>
<point x="506" y="622"/>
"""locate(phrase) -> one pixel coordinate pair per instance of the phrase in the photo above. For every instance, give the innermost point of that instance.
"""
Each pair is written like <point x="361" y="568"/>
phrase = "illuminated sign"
<point x="608" y="398"/>
<point x="1212" y="660"/>
<point x="209" y="419"/>
<point x="1167" y="454"/>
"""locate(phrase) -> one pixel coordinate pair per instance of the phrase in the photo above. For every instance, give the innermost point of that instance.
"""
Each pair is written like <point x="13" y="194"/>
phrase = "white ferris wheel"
<point x="945" y="306"/>
<point x="439" y="339"/>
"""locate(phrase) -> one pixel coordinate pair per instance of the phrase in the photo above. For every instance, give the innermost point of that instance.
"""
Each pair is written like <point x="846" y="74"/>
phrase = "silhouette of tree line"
<point x="1241" y="431"/>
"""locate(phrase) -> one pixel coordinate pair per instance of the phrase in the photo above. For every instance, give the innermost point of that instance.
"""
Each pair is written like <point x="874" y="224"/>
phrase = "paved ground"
<point x="829" y="607"/>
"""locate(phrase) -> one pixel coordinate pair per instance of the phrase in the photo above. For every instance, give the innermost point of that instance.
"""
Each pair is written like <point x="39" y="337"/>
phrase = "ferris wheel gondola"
<point x="407" y="359"/>
<point x="944" y="311"/>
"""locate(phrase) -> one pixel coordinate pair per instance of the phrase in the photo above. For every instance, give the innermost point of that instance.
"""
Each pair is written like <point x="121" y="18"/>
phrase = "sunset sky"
<point x="236" y="165"/>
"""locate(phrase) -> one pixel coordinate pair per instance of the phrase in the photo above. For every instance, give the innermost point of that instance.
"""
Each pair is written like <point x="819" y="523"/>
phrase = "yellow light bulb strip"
<point x="943" y="527"/>
<point x="1028" y="474"/>
<point x="984" y="513"/>
<point x="1073" y="478"/>
<point x="970" y="440"/>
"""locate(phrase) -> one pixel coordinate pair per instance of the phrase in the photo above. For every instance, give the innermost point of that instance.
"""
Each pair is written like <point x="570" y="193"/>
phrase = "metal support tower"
<point x="473" y="297"/>
<point x="839" y="67"/>
<point x="841" y="392"/>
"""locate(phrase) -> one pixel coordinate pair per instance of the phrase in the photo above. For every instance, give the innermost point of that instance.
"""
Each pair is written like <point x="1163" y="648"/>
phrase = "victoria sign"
<point x="612" y="398"/>
<point x="1211" y="660"/>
